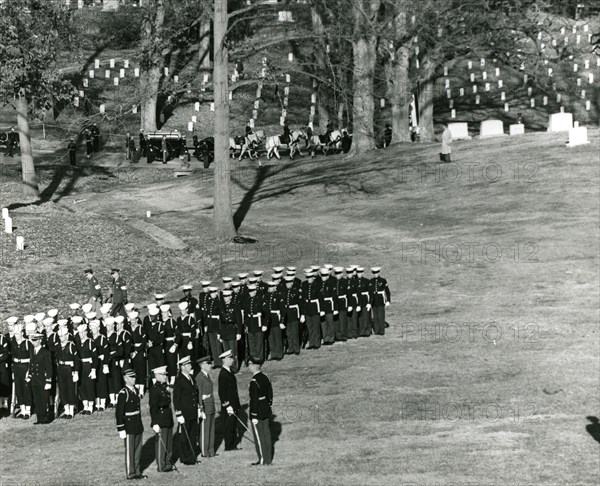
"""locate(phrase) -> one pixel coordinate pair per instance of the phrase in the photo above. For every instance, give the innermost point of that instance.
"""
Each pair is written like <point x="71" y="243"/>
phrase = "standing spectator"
<point x="72" y="148"/>
<point x="186" y="403"/>
<point x="96" y="137"/>
<point x="446" y="143"/>
<point x="89" y="143"/>
<point x="128" y="146"/>
<point x="94" y="290"/>
<point x="207" y="407"/>
<point x="387" y="135"/>
<point x="164" y="149"/>
<point x="230" y="402"/>
<point x="12" y="142"/>
<point x="261" y="399"/>
<point x="239" y="68"/>
<point x="142" y="144"/>
<point x="162" y="419"/>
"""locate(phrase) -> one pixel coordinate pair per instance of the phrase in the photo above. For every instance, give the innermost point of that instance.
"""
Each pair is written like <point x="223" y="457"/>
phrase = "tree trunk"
<point x="320" y="68"/>
<point x="222" y="213"/>
<point x="364" y="55"/>
<point x="150" y="85"/>
<point x="426" y="99"/>
<point x="30" y="182"/>
<point x="398" y="84"/>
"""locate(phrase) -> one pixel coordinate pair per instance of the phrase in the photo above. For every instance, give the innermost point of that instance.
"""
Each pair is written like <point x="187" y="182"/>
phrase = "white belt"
<point x="129" y="414"/>
<point x="204" y="397"/>
<point x="86" y="360"/>
<point x="256" y="315"/>
<point x="186" y="334"/>
<point x="382" y="292"/>
<point x="215" y="317"/>
<point x="318" y="305"/>
<point x="262" y="398"/>
<point x="331" y="300"/>
<point x="101" y="357"/>
<point x="276" y="312"/>
<point x="24" y="360"/>
<point x="137" y="345"/>
<point x="66" y="363"/>
<point x="297" y="307"/>
<point x="343" y="297"/>
<point x="170" y="338"/>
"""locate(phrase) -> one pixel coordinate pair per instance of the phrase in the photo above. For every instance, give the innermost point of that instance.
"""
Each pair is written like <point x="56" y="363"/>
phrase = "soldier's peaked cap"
<point x="185" y="360"/>
<point x="288" y="278"/>
<point x="115" y="270"/>
<point x="129" y="372"/>
<point x="226" y="354"/>
<point x="375" y="269"/>
<point x="205" y="283"/>
<point x="205" y="359"/>
<point x="160" y="370"/>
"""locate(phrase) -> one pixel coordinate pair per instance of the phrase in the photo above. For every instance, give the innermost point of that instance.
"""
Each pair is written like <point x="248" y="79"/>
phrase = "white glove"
<point x="349" y="309"/>
<point x="264" y="329"/>
<point x="229" y="410"/>
<point x="358" y="308"/>
<point x="123" y="434"/>
<point x="150" y="343"/>
<point x="133" y="355"/>
<point x="387" y="304"/>
<point x="93" y="374"/>
<point x="156" y="428"/>
<point x="322" y="313"/>
<point x="75" y="376"/>
<point x="335" y="313"/>
<point x="190" y="346"/>
<point x="202" y="415"/>
<point x="302" y="319"/>
<point x="105" y="369"/>
<point x="27" y="377"/>
<point x="282" y="326"/>
<point x="255" y="421"/>
<point x="180" y="419"/>
<point x="238" y="337"/>
<point x="368" y="307"/>
<point x="219" y="338"/>
<point x="173" y="348"/>
<point x="47" y="386"/>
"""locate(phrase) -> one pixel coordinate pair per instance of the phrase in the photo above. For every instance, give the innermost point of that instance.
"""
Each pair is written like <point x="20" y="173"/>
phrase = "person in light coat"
<point x="446" y="143"/>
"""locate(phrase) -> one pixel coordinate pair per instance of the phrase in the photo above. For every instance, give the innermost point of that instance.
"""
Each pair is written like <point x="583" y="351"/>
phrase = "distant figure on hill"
<point x="89" y="143"/>
<point x="387" y="135"/>
<point x="239" y="68"/>
<point x="285" y="137"/>
<point x="72" y="148"/>
<point x="446" y="143"/>
<point x="96" y="137"/>
<point x="520" y="119"/>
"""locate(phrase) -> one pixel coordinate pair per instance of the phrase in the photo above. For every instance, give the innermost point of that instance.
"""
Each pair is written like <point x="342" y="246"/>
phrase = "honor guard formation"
<point x="104" y="354"/>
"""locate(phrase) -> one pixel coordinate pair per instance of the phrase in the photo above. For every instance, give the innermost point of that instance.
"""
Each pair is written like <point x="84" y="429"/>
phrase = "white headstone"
<point x="451" y="104"/>
<point x="148" y="214"/>
<point x="212" y="107"/>
<point x="445" y="70"/>
<point x="459" y="131"/>
<point x="586" y="63"/>
<point x="484" y="75"/>
<point x="453" y="113"/>
<point x="503" y="96"/>
<point x="482" y="61"/>
<point x="470" y="64"/>
<point x="517" y="129"/>
<point x="554" y="42"/>
<point x="5" y="213"/>
<point x="578" y="81"/>
<point x="497" y="71"/>
<point x="205" y="78"/>
<point x="230" y="95"/>
<point x="136" y="72"/>
<point x="545" y="100"/>
<point x="583" y="94"/>
<point x="558" y="98"/>
<point x="286" y="90"/>
<point x="500" y="83"/>
<point x="586" y="27"/>
<point x="256" y="104"/>
<point x="382" y="102"/>
<point x="190" y="126"/>
<point x="134" y="109"/>
<point x="588" y="105"/>
<point x="194" y="118"/>
<point x="447" y="83"/>
<point x="578" y="136"/>
<point x="529" y="91"/>
<point x="474" y="88"/>
<point x="578" y="39"/>
<point x="491" y="128"/>
<point x="506" y="107"/>
<point x="312" y="109"/>
<point x="448" y="93"/>
<point x="461" y="91"/>
<point x="76" y="101"/>
<point x="575" y="67"/>
<point x="251" y="122"/>
<point x="532" y="102"/>
<point x="97" y="64"/>
<point x="81" y="93"/>
<point x="102" y="108"/>
<point x="562" y="31"/>
<point x="560" y="122"/>
<point x="487" y="86"/>
<point x="91" y="74"/>
<point x="107" y="73"/>
<point x="111" y="63"/>
<point x="313" y="98"/>
<point x="477" y="99"/>
<point x="550" y="72"/>
<point x="8" y="226"/>
<point x="20" y="243"/>
<point x="85" y="82"/>
<point x="472" y="77"/>
<point x="116" y="81"/>
<point x="197" y="106"/>
<point x="126" y="64"/>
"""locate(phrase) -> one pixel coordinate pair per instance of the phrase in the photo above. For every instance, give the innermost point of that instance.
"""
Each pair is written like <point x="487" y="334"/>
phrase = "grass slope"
<point x="487" y="372"/>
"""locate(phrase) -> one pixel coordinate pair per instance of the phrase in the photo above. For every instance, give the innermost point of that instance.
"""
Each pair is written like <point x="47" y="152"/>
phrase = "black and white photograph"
<point x="300" y="242"/>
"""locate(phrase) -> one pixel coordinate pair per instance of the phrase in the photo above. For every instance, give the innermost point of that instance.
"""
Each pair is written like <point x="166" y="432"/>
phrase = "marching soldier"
<point x="261" y="400"/>
<point x="230" y="329"/>
<point x="230" y="402"/>
<point x="273" y="315"/>
<point x="72" y="149"/>
<point x="340" y="293"/>
<point x="40" y="378"/>
<point x="118" y="294"/>
<point x="212" y="324"/>
<point x="328" y="304"/>
<point x="253" y="323"/>
<point x="171" y="341"/>
<point x="89" y="362"/>
<point x="138" y="352"/>
<point x="192" y="301"/>
<point x="185" y="400"/>
<point x="128" y="414"/>
<point x="312" y="309"/>
<point x="67" y="370"/>
<point x="364" y="304"/>
<point x="353" y="293"/>
<point x="94" y="290"/>
<point x="102" y="364"/>
<point x="207" y="408"/>
<point x="20" y="349"/>
<point x="379" y="295"/>
<point x="291" y="317"/>
<point x="161" y="417"/>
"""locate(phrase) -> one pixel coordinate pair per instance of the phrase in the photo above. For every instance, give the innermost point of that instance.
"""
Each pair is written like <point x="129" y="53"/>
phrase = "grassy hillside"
<point x="489" y="367"/>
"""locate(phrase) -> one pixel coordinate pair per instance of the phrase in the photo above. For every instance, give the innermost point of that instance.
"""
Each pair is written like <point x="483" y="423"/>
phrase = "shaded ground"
<point x="488" y="373"/>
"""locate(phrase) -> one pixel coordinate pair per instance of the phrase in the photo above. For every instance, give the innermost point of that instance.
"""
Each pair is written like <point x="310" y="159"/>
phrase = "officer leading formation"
<point x="103" y="354"/>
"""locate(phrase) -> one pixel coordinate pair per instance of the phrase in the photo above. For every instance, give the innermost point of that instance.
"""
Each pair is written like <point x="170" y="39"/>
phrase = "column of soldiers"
<point x="103" y="354"/>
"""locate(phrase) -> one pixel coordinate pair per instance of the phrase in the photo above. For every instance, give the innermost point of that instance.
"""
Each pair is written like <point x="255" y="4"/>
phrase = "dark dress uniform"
<point x="273" y="311"/>
<point x="207" y="405"/>
<point x="230" y="326"/>
<point x="353" y="294"/>
<point x="341" y="320"/>
<point x="228" y="395"/>
<point x="94" y="292"/>
<point x="21" y="356"/>
<point x="88" y="356"/>
<point x="142" y="145"/>
<point x="261" y="400"/>
<point x="89" y="144"/>
<point x="379" y="294"/>
<point x="119" y="297"/>
<point x="40" y="374"/>
<point x="171" y="339"/>
<point x="155" y="334"/>
<point x="212" y="323"/>
<point x="254" y="320"/>
<point x="95" y="131"/>
<point x="312" y="311"/>
<point x="291" y="306"/>
<point x="364" y="316"/>
<point x="128" y="414"/>
<point x="328" y="303"/>
<point x="72" y="148"/>
<point x="5" y="383"/>
<point x="185" y="400"/>
<point x="187" y="330"/>
<point x="102" y="369"/>
<point x="115" y="352"/>
<point x="68" y="363"/>
<point x="162" y="415"/>
<point x="138" y="354"/>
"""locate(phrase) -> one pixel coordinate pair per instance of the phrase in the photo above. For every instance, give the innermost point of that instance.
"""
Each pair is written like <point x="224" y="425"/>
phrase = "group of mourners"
<point x="102" y="355"/>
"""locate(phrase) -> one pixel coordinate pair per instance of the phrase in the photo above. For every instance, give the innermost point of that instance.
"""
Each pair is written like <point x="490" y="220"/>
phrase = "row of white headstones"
<point x="558" y="122"/>
<point x="8" y="228"/>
